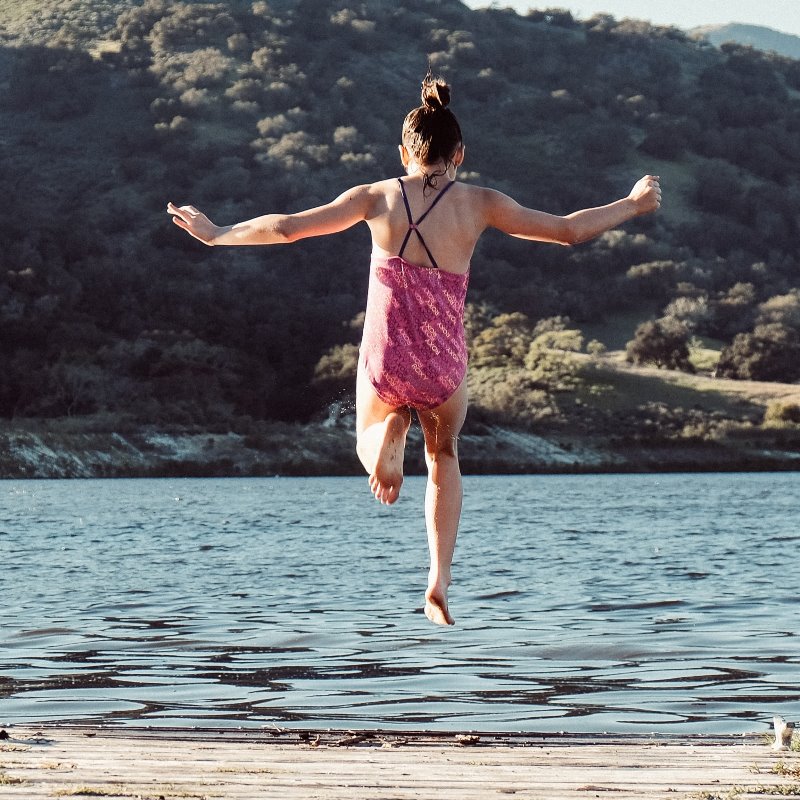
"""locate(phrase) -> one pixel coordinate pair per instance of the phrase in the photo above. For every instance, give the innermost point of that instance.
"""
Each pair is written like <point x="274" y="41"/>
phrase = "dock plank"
<point x="121" y="763"/>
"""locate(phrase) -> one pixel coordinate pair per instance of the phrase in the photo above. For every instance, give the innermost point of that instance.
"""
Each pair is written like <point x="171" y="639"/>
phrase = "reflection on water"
<point x="583" y="603"/>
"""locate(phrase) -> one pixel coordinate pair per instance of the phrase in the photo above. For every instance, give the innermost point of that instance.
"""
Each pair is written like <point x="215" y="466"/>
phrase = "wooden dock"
<point x="156" y="764"/>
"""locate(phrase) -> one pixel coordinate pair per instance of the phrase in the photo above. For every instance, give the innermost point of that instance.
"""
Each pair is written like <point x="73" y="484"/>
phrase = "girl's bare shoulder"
<point x="476" y="194"/>
<point x="479" y="201"/>
<point x="380" y="194"/>
<point x="384" y="186"/>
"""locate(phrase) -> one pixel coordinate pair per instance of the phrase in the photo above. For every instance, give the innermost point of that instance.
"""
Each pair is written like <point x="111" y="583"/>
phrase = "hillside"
<point x="757" y="36"/>
<point x="110" y="318"/>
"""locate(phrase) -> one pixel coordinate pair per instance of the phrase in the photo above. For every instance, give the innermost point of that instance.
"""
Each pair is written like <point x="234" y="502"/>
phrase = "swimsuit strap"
<point x="413" y="226"/>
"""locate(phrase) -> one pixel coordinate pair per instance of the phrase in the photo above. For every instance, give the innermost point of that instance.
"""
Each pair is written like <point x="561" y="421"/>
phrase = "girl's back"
<point x="450" y="230"/>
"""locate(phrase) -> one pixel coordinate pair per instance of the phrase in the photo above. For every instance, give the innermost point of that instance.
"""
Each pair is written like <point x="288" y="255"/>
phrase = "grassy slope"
<point x="634" y="385"/>
<point x="687" y="421"/>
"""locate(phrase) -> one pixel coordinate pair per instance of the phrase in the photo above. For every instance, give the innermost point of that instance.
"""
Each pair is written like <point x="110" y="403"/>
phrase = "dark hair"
<point x="431" y="132"/>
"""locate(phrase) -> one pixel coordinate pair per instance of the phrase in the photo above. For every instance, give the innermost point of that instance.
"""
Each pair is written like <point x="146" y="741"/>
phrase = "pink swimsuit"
<point x="413" y="348"/>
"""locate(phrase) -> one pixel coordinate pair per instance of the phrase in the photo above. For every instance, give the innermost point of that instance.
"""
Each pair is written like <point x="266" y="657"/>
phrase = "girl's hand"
<point x="194" y="223"/>
<point x="646" y="194"/>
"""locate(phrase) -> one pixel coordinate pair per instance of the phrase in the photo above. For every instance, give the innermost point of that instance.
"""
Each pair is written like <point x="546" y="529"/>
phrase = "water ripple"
<point x="584" y="603"/>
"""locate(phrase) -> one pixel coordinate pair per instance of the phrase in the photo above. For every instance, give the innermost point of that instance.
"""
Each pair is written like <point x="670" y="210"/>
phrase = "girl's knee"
<point x="440" y="450"/>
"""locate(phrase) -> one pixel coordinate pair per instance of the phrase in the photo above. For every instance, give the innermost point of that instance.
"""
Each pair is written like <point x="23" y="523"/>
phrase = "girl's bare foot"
<point x="436" y="606"/>
<point x="387" y="477"/>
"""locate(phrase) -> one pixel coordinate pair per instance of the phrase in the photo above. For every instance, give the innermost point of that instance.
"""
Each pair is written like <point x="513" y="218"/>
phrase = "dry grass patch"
<point x="8" y="780"/>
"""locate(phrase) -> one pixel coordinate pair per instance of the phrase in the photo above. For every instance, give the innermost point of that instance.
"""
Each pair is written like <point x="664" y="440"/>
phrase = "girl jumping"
<point x="413" y="354"/>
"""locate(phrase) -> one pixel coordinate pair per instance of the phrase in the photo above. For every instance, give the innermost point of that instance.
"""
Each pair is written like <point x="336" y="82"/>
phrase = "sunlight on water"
<point x="583" y="603"/>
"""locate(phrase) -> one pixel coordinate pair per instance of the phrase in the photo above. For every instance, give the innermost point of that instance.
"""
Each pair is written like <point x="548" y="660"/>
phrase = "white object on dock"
<point x="783" y="733"/>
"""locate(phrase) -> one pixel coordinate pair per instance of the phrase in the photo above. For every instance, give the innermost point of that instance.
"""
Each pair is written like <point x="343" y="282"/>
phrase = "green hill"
<point x="109" y="109"/>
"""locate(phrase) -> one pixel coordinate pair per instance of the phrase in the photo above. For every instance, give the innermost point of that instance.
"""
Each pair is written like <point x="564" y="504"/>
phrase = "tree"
<point x="653" y="280"/>
<point x="550" y="361"/>
<point x="770" y="353"/>
<point x="692" y="312"/>
<point x="505" y="342"/>
<point x="732" y="312"/>
<point x="663" y="342"/>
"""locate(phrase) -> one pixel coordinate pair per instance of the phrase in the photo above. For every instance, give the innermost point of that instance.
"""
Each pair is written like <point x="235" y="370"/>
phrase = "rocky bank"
<point x="64" y="449"/>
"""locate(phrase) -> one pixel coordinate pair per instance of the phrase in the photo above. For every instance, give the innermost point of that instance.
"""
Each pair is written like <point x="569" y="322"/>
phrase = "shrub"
<point x="238" y="43"/>
<point x="247" y="89"/>
<point x="596" y="348"/>
<point x="783" y="309"/>
<point x="781" y="412"/>
<point x="509" y="396"/>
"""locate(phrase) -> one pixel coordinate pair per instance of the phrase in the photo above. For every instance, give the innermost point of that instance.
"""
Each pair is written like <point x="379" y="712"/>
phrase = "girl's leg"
<point x="381" y="440"/>
<point x="443" y="495"/>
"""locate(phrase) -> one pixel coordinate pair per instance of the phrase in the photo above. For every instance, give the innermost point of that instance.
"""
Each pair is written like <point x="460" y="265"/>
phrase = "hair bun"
<point x="435" y="93"/>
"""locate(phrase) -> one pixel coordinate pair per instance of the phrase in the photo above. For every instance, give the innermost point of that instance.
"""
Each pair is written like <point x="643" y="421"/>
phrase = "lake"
<point x="592" y="603"/>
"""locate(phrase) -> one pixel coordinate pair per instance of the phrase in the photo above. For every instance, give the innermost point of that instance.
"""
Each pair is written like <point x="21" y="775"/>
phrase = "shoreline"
<point x="38" y="762"/>
<point x="88" y="449"/>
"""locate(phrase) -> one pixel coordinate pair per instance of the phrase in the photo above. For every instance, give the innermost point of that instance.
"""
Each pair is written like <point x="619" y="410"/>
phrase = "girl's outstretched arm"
<point x="526" y="223"/>
<point x="345" y="211"/>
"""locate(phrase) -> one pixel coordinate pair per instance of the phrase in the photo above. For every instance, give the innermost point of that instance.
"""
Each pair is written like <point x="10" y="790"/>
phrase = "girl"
<point x="413" y="354"/>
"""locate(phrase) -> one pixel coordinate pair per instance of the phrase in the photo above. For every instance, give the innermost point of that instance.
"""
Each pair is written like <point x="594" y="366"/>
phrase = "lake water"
<point x="633" y="603"/>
